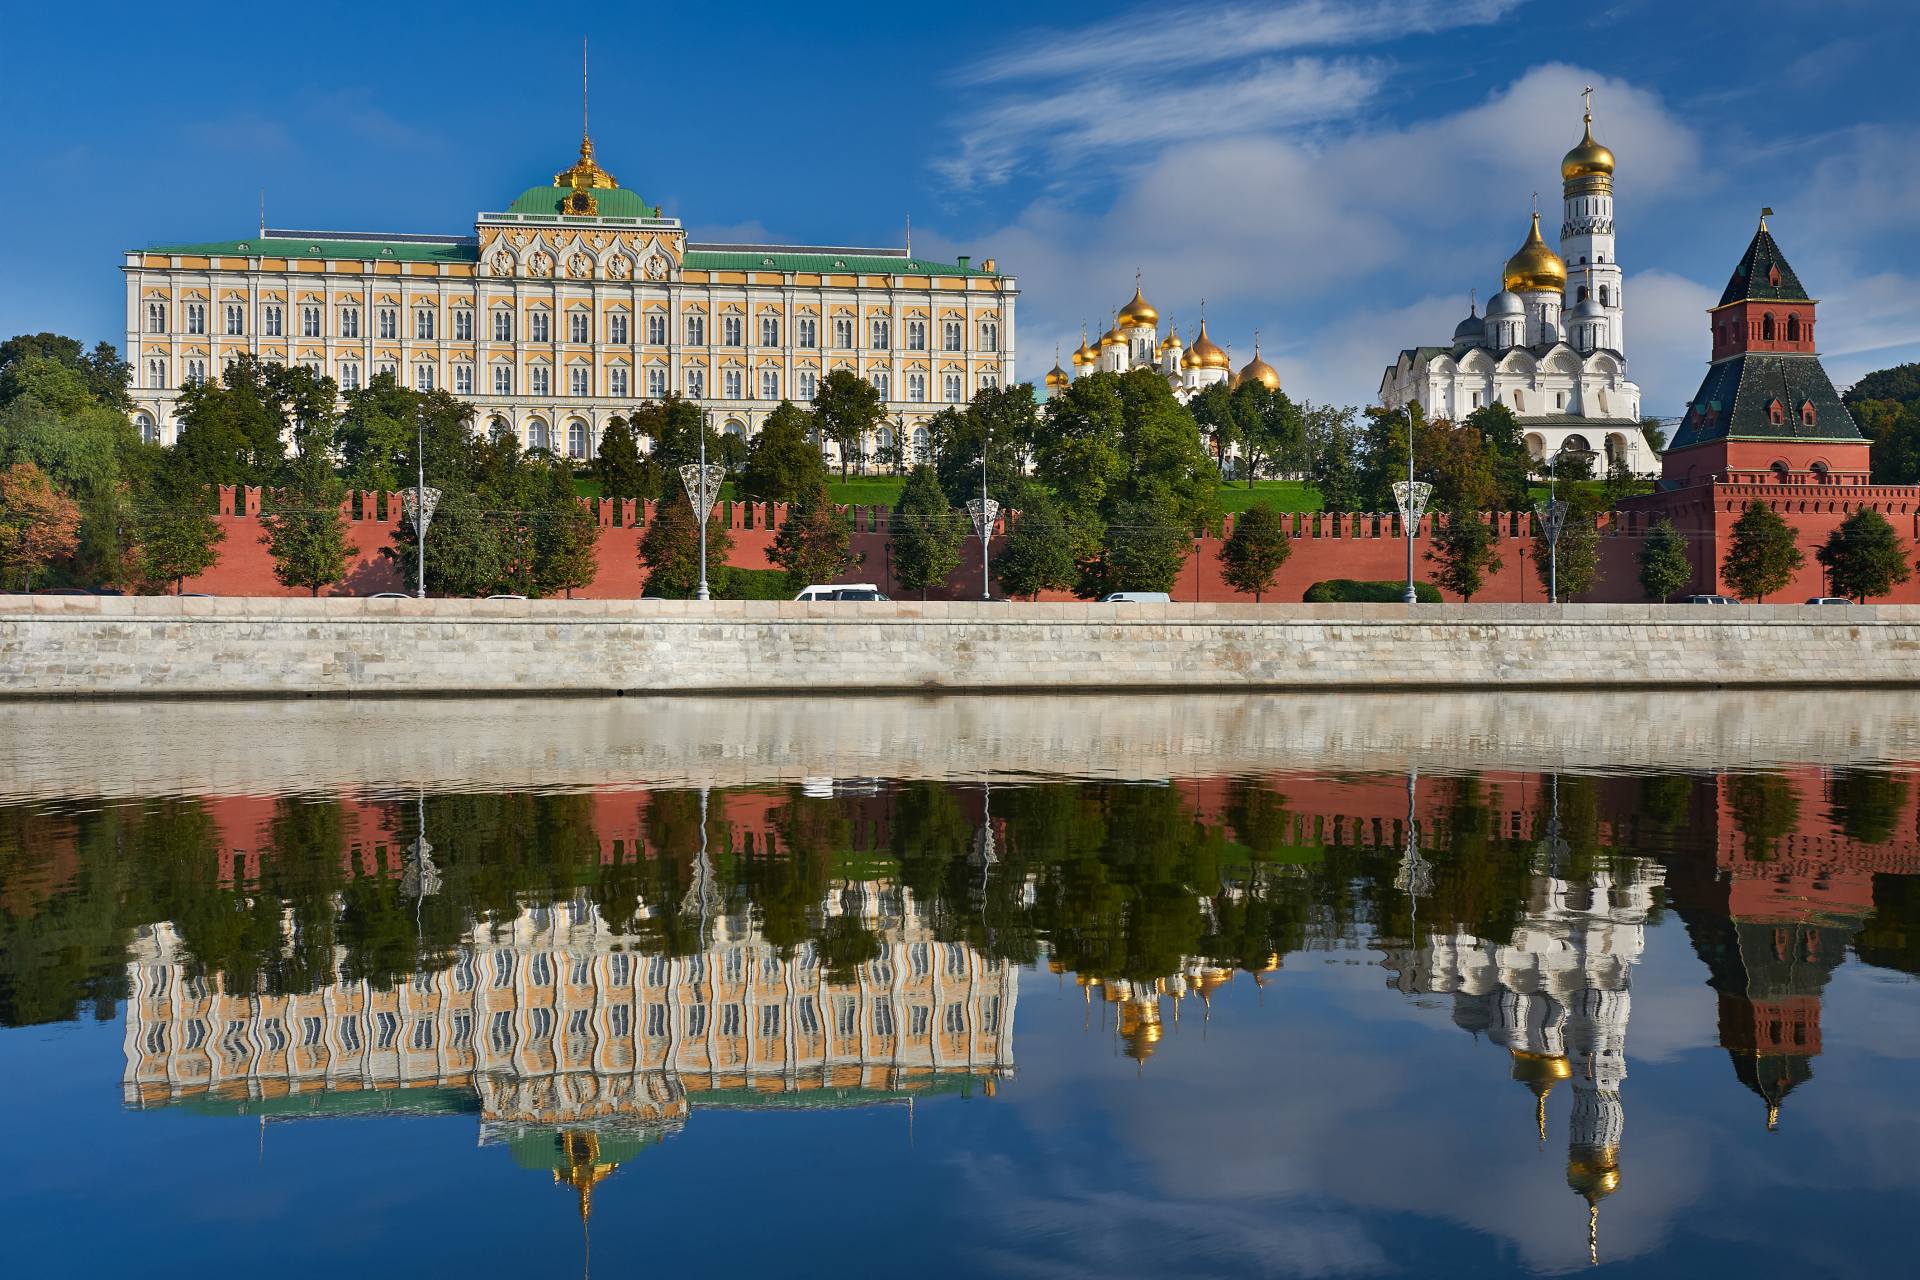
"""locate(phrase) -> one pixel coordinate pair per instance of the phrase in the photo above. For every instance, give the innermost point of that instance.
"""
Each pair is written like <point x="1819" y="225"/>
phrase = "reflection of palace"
<point x="1555" y="995"/>
<point x="572" y="1046"/>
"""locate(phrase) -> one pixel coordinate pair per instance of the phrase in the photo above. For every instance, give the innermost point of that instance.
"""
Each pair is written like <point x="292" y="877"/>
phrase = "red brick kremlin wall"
<point x="1367" y="547"/>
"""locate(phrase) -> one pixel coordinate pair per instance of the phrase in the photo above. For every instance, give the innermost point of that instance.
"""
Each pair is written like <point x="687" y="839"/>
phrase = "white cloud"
<point x="1341" y="251"/>
<point x="1214" y="34"/>
<point x="1667" y="337"/>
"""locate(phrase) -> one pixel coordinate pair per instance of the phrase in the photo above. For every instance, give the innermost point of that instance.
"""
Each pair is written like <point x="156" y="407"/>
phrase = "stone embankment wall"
<point x="126" y="646"/>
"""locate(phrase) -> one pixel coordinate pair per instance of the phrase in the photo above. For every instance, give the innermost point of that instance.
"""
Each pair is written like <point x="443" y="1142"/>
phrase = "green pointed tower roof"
<point x="1763" y="274"/>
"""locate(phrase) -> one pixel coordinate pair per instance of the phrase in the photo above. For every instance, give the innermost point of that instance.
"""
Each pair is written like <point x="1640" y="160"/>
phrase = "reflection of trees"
<point x="1866" y="803"/>
<point x="1115" y="880"/>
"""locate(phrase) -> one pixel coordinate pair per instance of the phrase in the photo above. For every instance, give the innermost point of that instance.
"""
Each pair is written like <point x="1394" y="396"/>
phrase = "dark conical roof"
<point x="1763" y="274"/>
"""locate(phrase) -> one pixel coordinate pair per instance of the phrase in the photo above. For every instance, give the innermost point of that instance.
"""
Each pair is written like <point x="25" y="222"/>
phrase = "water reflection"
<point x="581" y="970"/>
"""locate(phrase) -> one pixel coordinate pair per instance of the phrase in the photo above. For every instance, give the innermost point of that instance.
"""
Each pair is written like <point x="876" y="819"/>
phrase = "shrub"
<point x="1354" y="591"/>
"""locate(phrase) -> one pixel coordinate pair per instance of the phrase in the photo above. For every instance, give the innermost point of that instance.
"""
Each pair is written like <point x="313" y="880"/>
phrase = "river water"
<point x="1087" y="987"/>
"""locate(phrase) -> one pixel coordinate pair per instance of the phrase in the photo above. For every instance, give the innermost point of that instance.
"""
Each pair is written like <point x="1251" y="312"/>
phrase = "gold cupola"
<point x="1588" y="160"/>
<point x="1057" y="377"/>
<point x="1138" y="313"/>
<point x="1259" y="370"/>
<point x="1535" y="268"/>
<point x="1171" y="343"/>
<point x="1205" y="353"/>
<point x="1084" y="355"/>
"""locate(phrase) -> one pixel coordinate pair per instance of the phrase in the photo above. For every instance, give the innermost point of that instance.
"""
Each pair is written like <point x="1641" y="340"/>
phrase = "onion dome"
<point x="1472" y="329"/>
<point x="1259" y="370"/>
<point x="1205" y="353"/>
<point x="1138" y="313"/>
<point x="1536" y="268"/>
<point x="1056" y="376"/>
<point x="1505" y="303"/>
<point x="1587" y="309"/>
<point x="1540" y="1072"/>
<point x="1112" y="338"/>
<point x="1084" y="355"/>
<point x="1588" y="160"/>
<point x="1140" y="1028"/>
<point x="1171" y="342"/>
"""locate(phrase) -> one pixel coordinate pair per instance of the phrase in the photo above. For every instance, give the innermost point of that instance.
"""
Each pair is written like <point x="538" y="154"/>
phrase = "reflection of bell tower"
<point x="1596" y="1044"/>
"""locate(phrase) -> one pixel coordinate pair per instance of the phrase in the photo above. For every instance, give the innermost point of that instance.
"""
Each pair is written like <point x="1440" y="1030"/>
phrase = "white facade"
<point x="1551" y="346"/>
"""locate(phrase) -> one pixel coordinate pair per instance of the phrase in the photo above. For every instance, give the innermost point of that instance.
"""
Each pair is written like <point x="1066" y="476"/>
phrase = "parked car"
<point x="1829" y="600"/>
<point x="389" y="595"/>
<point x="1709" y="600"/>
<point x="1136" y="597"/>
<point x="832" y="590"/>
<point x="859" y="593"/>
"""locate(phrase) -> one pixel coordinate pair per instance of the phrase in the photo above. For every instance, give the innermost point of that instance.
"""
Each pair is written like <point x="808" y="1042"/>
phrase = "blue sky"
<point x="1338" y="175"/>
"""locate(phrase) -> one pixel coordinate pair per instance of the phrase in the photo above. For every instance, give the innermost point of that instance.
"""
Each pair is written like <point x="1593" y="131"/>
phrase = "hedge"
<point x="1354" y="591"/>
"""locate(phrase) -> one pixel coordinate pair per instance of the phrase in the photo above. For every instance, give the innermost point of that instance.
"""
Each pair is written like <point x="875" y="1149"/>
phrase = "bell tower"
<point x="1586" y="231"/>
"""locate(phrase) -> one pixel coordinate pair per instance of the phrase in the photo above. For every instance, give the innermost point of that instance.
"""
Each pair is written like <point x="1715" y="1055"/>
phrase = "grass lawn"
<point x="1281" y="495"/>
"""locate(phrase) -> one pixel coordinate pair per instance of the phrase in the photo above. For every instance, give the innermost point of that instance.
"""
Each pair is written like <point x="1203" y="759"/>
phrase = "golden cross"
<point x="1587" y="93"/>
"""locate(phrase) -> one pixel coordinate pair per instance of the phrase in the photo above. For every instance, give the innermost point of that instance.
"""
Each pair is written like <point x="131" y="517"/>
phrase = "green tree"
<point x="999" y="421"/>
<point x="1575" y="563"/>
<point x="1333" y="449"/>
<point x="674" y="425"/>
<point x="1119" y="443"/>
<point x="37" y="526"/>
<point x="234" y="431"/>
<point x="670" y="551"/>
<point x="1654" y="432"/>
<point x="1864" y="556"/>
<point x="1463" y="552"/>
<point x="618" y="465"/>
<point x="1142" y="548"/>
<point x="1043" y="550"/>
<point x="1665" y="569"/>
<point x="927" y="533"/>
<point x="565" y="537"/>
<point x="106" y="375"/>
<point x="1254" y="552"/>
<point x="178" y="535"/>
<point x="1270" y="427"/>
<point x="1215" y="413"/>
<point x="1508" y="461"/>
<point x="305" y="531"/>
<point x="848" y="410"/>
<point x="814" y="545"/>
<point x="1762" y="557"/>
<point x="783" y="462"/>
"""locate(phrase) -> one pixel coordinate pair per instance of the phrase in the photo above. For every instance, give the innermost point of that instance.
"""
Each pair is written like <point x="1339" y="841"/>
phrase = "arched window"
<point x="576" y="439"/>
<point x="537" y="434"/>
<point x="1807" y="414"/>
<point x="1821" y="473"/>
<point x="921" y="450"/>
<point x="1780" y="472"/>
<point x="1606" y="296"/>
<point x="735" y="428"/>
<point x="149" y="433"/>
<point x="1793" y="328"/>
<point x="1766" y="327"/>
<point x="1777" y="413"/>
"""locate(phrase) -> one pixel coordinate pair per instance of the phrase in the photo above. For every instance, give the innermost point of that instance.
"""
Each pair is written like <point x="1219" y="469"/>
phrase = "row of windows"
<point x="733" y="382"/>
<point x="579" y="327"/>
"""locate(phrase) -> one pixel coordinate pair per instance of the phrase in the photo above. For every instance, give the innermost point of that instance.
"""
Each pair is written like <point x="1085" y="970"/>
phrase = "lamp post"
<point x="1410" y="496"/>
<point x="983" y="511"/>
<point x="703" y="482"/>
<point x="1553" y="518"/>
<point x="419" y="503"/>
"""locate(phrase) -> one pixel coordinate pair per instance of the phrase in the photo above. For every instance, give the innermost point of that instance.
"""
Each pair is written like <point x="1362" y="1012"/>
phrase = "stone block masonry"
<point x="75" y="646"/>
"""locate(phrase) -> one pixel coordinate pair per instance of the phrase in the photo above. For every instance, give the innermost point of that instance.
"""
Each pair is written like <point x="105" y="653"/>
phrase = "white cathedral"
<point x="1134" y="342"/>
<point x="1552" y="343"/>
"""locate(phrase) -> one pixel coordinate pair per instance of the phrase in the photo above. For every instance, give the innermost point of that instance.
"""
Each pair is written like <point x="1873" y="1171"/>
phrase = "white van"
<point x="1136" y="597"/>
<point x="841" y="591"/>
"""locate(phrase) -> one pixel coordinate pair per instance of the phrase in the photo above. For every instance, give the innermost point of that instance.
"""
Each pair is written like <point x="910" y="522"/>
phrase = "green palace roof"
<point x="371" y="248"/>
<point x="613" y="202"/>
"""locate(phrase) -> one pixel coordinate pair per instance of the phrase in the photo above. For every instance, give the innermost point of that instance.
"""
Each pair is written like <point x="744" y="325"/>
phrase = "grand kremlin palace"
<point x="567" y="309"/>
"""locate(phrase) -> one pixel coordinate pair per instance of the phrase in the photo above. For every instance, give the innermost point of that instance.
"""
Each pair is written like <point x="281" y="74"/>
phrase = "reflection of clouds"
<point x="1335" y="1093"/>
<point x="1069" y="1228"/>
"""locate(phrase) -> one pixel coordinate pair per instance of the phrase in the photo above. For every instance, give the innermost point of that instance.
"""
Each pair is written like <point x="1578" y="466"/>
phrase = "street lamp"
<point x="703" y="481"/>
<point x="1410" y="496"/>
<point x="419" y="504"/>
<point x="1553" y="518"/>
<point x="983" y="511"/>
